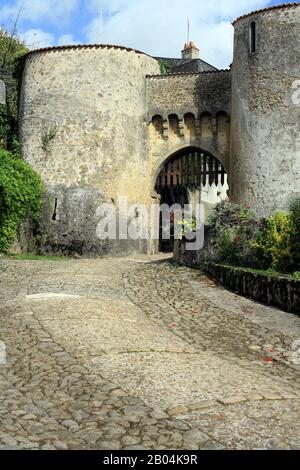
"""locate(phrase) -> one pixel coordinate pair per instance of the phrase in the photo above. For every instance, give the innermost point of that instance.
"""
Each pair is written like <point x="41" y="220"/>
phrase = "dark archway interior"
<point x="189" y="169"/>
<point x="171" y="196"/>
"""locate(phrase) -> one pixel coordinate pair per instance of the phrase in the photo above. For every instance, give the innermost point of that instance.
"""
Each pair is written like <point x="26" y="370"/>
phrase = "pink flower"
<point x="268" y="360"/>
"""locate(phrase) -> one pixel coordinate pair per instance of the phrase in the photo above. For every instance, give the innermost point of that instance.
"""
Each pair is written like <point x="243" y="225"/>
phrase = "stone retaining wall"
<point x="280" y="292"/>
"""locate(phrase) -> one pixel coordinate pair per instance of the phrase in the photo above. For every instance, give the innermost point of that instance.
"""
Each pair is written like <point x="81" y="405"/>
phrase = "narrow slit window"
<point x="253" y="39"/>
<point x="54" y="216"/>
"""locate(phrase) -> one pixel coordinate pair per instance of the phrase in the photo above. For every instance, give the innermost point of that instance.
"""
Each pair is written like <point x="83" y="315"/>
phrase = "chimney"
<point x="190" y="51"/>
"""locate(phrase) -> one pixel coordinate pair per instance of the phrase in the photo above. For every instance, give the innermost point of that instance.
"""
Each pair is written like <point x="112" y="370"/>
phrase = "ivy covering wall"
<point x="21" y="189"/>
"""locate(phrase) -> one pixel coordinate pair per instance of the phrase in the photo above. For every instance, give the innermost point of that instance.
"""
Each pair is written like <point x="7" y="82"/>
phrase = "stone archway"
<point x="190" y="176"/>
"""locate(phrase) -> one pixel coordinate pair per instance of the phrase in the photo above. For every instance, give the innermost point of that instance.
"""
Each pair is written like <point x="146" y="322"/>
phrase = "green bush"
<point x="230" y="246"/>
<point x="272" y="246"/>
<point x="232" y="227"/>
<point x="237" y="238"/>
<point x="21" y="191"/>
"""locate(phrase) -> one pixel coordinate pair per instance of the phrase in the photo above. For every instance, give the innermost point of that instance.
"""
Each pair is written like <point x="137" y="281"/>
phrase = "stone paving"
<point x="141" y="354"/>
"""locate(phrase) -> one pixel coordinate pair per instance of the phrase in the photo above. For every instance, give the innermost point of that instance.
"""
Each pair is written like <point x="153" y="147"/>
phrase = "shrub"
<point x="232" y="227"/>
<point x="229" y="246"/>
<point x="272" y="246"/>
<point x="21" y="193"/>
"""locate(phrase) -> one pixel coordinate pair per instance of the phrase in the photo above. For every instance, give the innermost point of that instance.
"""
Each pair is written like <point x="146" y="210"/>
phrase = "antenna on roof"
<point x="101" y="24"/>
<point x="188" y="31"/>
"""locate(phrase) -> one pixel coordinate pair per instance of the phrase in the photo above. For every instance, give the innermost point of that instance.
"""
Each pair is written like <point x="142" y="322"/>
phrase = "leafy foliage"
<point x="237" y="238"/>
<point x="272" y="246"/>
<point x="232" y="228"/>
<point x="21" y="191"/>
<point x="12" y="51"/>
<point x="4" y="125"/>
<point x="21" y="188"/>
<point x="165" y="68"/>
<point x="187" y="226"/>
<point x="48" y="137"/>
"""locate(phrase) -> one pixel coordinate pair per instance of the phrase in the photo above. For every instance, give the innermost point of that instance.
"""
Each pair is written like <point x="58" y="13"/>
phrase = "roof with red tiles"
<point x="85" y="46"/>
<point x="275" y="7"/>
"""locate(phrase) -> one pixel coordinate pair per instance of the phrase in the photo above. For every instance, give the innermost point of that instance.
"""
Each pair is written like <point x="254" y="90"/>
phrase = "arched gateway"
<point x="191" y="176"/>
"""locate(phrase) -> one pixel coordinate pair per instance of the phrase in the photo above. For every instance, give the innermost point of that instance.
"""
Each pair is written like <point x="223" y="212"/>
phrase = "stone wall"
<point x="98" y="122"/>
<point x="265" y="122"/>
<point x="189" y="110"/>
<point x="83" y="128"/>
<point x="280" y="292"/>
<point x="195" y="92"/>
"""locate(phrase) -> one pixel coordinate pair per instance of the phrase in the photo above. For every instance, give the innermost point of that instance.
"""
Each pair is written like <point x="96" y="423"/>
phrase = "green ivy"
<point x="21" y="193"/>
<point x="165" y="68"/>
<point x="12" y="52"/>
<point x="4" y="125"/>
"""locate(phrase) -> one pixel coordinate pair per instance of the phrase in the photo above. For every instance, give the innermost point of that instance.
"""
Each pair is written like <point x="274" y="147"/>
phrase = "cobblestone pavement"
<point x="141" y="354"/>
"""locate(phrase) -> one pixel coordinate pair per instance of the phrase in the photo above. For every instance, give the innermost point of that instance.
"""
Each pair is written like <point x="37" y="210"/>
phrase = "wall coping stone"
<point x="266" y="10"/>
<point x="184" y="74"/>
<point x="85" y="46"/>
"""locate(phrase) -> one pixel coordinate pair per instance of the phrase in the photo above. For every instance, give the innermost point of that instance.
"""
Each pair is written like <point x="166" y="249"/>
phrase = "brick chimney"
<point x="190" y="51"/>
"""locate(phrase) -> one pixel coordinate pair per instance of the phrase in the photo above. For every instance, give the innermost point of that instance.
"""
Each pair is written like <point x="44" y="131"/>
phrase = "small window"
<point x="253" y="42"/>
<point x="54" y="216"/>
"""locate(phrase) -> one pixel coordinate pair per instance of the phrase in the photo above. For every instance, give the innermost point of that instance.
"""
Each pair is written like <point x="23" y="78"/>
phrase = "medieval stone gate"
<point x="191" y="176"/>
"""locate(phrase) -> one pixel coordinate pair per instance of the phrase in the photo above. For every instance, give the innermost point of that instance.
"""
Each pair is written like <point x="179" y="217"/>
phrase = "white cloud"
<point x="66" y="39"/>
<point x="159" y="27"/>
<point x="37" y="38"/>
<point x="55" y="11"/>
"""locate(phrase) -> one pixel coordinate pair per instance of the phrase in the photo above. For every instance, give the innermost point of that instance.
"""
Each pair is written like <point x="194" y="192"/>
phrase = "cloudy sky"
<point x="158" y="27"/>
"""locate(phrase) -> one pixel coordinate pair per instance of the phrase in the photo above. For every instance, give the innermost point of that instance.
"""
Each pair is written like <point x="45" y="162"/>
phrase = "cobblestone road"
<point x="141" y="354"/>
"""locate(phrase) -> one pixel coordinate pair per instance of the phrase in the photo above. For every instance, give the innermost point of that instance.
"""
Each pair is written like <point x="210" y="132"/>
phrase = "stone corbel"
<point x="181" y="128"/>
<point x="165" y="129"/>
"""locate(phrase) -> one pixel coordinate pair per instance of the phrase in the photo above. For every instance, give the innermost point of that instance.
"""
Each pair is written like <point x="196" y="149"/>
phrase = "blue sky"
<point x="158" y="27"/>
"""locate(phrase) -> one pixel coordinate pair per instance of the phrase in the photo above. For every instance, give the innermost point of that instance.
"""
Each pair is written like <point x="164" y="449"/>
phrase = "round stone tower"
<point x="265" y="121"/>
<point x="83" y="128"/>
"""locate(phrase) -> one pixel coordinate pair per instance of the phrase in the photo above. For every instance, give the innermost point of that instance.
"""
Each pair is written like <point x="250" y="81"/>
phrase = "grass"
<point x="31" y="257"/>
<point x="268" y="272"/>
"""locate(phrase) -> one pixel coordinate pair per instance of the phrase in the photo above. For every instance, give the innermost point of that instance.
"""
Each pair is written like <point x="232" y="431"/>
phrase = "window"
<point x="253" y="45"/>
<point x="54" y="216"/>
